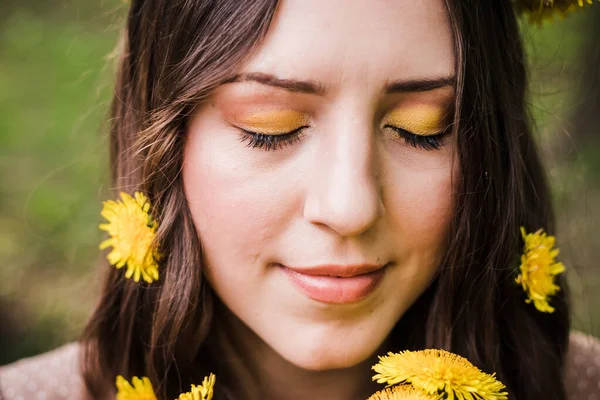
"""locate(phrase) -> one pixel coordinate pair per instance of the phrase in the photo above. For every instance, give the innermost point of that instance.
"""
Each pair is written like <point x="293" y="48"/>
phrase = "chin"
<point x="329" y="351"/>
<point x="325" y="360"/>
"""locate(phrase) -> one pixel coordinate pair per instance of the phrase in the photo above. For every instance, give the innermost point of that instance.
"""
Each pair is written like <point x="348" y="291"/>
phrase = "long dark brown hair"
<point x="174" y="53"/>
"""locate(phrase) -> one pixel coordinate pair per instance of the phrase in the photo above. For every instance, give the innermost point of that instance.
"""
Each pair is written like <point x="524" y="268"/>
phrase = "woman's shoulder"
<point x="582" y="367"/>
<point x="49" y="376"/>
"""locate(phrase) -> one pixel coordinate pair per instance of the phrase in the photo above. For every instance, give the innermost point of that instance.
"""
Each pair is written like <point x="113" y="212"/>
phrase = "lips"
<point x="337" y="284"/>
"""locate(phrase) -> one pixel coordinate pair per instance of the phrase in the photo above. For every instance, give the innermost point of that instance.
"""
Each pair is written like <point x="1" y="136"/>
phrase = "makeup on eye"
<point x="421" y="126"/>
<point x="422" y="120"/>
<point x="273" y="122"/>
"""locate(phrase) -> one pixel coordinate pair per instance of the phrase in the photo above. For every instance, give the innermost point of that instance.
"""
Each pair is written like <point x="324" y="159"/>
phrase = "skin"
<point x="348" y="189"/>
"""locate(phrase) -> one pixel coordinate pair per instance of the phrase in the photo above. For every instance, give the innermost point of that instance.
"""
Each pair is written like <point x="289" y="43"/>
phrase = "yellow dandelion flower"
<point x="438" y="372"/>
<point x="538" y="269"/>
<point x="541" y="10"/>
<point x="140" y="390"/>
<point x="403" y="392"/>
<point x="132" y="231"/>
<point x="201" y="392"/>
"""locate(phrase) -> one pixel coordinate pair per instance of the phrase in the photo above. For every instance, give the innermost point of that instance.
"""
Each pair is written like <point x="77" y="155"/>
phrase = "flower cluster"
<point x="541" y="10"/>
<point x="141" y="389"/>
<point x="434" y="374"/>
<point x="538" y="269"/>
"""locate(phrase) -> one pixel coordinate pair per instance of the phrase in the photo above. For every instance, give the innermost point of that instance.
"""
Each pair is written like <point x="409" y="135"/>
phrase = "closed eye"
<point x="425" y="142"/>
<point x="268" y="142"/>
<point x="272" y="142"/>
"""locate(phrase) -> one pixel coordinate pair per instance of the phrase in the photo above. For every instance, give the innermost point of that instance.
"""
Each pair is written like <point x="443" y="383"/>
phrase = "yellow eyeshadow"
<point x="274" y="122"/>
<point x="420" y="120"/>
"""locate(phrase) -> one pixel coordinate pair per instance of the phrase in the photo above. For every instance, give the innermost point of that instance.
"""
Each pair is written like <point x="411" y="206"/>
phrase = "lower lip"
<point x="336" y="290"/>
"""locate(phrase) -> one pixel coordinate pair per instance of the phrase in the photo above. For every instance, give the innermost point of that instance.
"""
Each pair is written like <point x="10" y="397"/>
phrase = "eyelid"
<point x="419" y="120"/>
<point x="274" y="122"/>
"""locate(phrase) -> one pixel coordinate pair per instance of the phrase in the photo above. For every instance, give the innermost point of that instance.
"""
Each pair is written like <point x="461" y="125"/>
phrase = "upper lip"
<point x="342" y="271"/>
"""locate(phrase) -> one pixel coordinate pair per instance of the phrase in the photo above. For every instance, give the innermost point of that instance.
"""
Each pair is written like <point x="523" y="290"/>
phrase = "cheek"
<point x="234" y="206"/>
<point x="420" y="204"/>
<point x="425" y="203"/>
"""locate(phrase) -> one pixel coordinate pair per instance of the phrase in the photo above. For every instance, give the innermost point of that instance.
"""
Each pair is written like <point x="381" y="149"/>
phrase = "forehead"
<point x="368" y="41"/>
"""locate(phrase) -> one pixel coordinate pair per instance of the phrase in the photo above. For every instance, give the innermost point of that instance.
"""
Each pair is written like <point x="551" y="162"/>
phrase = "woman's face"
<point x="321" y="228"/>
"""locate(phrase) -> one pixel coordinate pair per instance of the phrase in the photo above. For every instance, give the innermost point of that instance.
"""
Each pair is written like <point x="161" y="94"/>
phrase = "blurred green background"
<point x="56" y="74"/>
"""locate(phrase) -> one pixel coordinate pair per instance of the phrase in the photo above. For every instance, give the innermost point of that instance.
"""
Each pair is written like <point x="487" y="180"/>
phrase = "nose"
<point x="343" y="191"/>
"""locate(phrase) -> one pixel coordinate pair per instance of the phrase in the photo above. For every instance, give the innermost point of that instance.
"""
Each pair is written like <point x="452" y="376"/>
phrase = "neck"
<point x="261" y="373"/>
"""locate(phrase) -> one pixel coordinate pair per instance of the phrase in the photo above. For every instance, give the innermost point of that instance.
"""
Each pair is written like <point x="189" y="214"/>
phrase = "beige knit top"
<point x="55" y="375"/>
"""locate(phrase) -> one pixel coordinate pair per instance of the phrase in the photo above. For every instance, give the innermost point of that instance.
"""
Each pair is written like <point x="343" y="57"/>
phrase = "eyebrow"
<point x="316" y="88"/>
<point x="420" y="85"/>
<point x="291" y="85"/>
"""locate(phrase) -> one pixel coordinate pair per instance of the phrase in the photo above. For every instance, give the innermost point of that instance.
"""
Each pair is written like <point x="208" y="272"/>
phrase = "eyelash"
<point x="429" y="142"/>
<point x="266" y="142"/>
